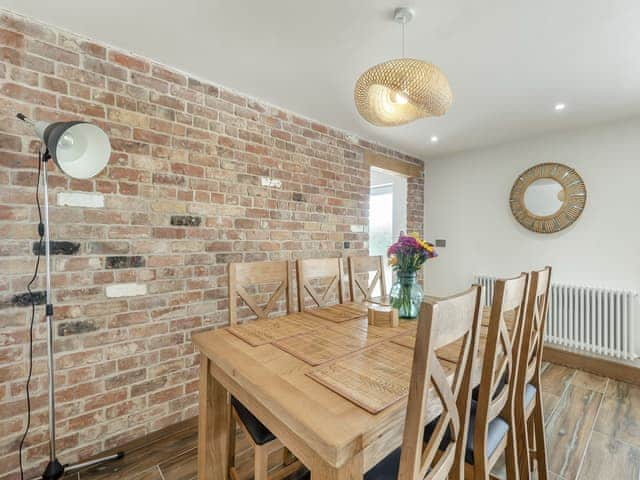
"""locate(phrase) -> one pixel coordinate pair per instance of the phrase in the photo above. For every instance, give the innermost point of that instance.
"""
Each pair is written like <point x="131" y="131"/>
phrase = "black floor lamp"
<point x="80" y="150"/>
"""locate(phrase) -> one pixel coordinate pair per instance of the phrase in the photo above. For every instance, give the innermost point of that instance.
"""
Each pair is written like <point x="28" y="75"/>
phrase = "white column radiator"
<point x="597" y="320"/>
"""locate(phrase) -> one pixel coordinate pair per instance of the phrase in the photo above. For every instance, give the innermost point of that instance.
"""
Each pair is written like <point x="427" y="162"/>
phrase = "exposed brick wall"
<point x="199" y="176"/>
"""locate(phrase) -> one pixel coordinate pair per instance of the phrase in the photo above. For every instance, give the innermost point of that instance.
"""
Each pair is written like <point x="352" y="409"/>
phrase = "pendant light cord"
<point x="404" y="24"/>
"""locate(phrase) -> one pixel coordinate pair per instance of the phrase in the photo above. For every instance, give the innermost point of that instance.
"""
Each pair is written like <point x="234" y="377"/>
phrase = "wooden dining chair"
<point x="492" y="425"/>
<point x="439" y="455"/>
<point x="529" y="415"/>
<point x="272" y="280"/>
<point x="321" y="280"/>
<point x="436" y="451"/>
<point x="361" y="286"/>
<point x="257" y="275"/>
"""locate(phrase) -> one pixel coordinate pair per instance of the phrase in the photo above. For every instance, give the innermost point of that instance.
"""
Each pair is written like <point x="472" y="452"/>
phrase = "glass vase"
<point x="406" y="295"/>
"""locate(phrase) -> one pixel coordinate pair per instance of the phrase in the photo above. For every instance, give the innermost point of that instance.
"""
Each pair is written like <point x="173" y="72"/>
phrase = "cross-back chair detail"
<point x="499" y="369"/>
<point x="255" y="274"/>
<point x="439" y="324"/>
<point x="263" y="441"/>
<point x="528" y="404"/>
<point x="359" y="266"/>
<point x="311" y="269"/>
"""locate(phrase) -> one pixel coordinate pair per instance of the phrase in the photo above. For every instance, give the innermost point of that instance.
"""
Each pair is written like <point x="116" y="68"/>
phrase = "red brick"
<point x="29" y="95"/>
<point x="54" y="53"/>
<point x="81" y="107"/>
<point x="104" y="68"/>
<point x="94" y="49"/>
<point x="282" y="135"/>
<point x="67" y="72"/>
<point x="168" y="75"/>
<point x="149" y="82"/>
<point x="186" y="169"/>
<point x="10" y="142"/>
<point x="11" y="39"/>
<point x="27" y="77"/>
<point x="151" y="137"/>
<point x="127" y="61"/>
<point x="81" y="91"/>
<point x="54" y="84"/>
<point x="104" y="399"/>
<point x="166" y="101"/>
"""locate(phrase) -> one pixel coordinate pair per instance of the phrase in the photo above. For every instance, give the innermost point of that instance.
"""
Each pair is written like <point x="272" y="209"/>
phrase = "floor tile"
<point x="569" y="430"/>
<point x="555" y="379"/>
<point x="619" y="416"/>
<point x="608" y="458"/>
<point x="182" y="467"/>
<point x="589" y="381"/>
<point x="144" y="458"/>
<point x="151" y="474"/>
<point x="549" y="404"/>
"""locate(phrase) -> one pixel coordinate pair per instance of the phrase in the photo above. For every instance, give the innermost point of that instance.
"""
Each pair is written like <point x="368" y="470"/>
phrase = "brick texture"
<point x="183" y="196"/>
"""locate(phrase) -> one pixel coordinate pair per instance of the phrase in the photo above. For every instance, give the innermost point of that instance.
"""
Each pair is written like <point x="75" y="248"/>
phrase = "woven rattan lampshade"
<point x="400" y="91"/>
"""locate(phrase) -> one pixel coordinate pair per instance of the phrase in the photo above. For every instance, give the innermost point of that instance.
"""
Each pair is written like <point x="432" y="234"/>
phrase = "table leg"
<point x="213" y="427"/>
<point x="351" y="470"/>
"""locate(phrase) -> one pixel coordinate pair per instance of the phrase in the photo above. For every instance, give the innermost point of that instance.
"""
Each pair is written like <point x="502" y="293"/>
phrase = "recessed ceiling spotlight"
<point x="434" y="139"/>
<point x="559" y="107"/>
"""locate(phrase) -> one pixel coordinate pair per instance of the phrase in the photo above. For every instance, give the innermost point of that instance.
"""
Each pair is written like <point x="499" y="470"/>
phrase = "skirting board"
<point x="624" y="371"/>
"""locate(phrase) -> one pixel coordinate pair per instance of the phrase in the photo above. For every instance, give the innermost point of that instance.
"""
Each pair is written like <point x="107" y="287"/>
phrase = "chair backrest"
<point x="257" y="274"/>
<point x="453" y="319"/>
<point x="499" y="366"/>
<point x="324" y="274"/>
<point x="360" y="271"/>
<point x="533" y="330"/>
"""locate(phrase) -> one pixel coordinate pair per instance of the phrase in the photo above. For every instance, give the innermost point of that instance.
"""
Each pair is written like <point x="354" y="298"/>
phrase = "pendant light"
<point x="402" y="90"/>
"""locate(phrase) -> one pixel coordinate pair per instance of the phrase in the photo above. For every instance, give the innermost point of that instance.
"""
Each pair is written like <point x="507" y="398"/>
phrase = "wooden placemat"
<point x="408" y="341"/>
<point x="373" y="379"/>
<point x="261" y="332"/>
<point x="341" y="312"/>
<point x="406" y="326"/>
<point x="322" y="345"/>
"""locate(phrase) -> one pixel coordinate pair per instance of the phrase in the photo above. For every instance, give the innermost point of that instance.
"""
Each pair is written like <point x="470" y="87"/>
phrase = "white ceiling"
<point x="508" y="61"/>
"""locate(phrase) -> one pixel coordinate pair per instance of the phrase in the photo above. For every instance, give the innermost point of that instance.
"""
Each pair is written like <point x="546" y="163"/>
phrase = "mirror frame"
<point x="575" y="198"/>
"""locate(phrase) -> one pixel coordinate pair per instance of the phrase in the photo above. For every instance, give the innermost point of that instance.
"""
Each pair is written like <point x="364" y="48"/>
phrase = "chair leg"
<point x="232" y="442"/>
<point x="523" y="442"/>
<point x="511" y="454"/>
<point x="260" y="463"/>
<point x="541" y="447"/>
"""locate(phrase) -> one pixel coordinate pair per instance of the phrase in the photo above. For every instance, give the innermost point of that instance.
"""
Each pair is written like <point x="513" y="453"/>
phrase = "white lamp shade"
<point x="81" y="150"/>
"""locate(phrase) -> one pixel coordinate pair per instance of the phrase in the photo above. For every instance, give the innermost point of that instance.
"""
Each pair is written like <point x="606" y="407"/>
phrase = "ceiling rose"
<point x="402" y="90"/>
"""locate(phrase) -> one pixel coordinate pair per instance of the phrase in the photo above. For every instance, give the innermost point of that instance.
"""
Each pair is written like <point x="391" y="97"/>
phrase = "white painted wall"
<point x="466" y="203"/>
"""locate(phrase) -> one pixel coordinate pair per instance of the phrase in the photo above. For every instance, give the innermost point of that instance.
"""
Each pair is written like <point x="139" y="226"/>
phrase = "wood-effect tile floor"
<point x="592" y="425"/>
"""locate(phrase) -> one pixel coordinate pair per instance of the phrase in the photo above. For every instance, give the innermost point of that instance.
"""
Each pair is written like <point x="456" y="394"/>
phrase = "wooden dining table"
<point x="282" y="373"/>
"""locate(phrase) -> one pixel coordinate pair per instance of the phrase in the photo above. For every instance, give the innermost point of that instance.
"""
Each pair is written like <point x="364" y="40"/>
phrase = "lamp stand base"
<point x="55" y="470"/>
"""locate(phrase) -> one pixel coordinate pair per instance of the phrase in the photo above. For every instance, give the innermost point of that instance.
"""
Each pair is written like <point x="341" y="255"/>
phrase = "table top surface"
<point x="271" y="377"/>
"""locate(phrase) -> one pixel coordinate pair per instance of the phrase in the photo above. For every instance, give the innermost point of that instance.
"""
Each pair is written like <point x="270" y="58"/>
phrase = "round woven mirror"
<point x="548" y="198"/>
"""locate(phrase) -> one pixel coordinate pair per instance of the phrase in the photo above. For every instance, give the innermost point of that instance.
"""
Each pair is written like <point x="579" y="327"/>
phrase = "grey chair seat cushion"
<point x="529" y="393"/>
<point x="498" y="428"/>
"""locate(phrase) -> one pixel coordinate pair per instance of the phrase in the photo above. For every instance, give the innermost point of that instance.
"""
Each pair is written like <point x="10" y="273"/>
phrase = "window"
<point x="380" y="219"/>
<point x="387" y="211"/>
